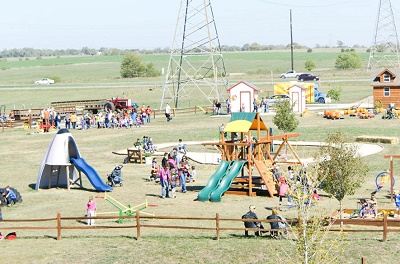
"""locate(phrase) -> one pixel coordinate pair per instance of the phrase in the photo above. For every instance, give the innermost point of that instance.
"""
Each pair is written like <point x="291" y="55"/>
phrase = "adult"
<point x="57" y="121"/>
<point x="255" y="106"/>
<point x="148" y="112"/>
<point x="68" y="121"/>
<point x="164" y="160"/>
<point x="228" y="106"/>
<point x="251" y="214"/>
<point x="165" y="178"/>
<point x="183" y="173"/>
<point x="276" y="226"/>
<point x="168" y="112"/>
<point x="74" y="119"/>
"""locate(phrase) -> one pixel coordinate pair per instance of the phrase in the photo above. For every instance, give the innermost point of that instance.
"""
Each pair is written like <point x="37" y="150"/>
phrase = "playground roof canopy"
<point x="243" y="122"/>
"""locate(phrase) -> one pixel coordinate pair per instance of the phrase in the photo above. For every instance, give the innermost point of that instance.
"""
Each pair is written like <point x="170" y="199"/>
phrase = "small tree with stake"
<point x="341" y="170"/>
<point x="285" y="119"/>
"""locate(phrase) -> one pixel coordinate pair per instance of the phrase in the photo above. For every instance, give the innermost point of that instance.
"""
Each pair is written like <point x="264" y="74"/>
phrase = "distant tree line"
<point x="30" y="52"/>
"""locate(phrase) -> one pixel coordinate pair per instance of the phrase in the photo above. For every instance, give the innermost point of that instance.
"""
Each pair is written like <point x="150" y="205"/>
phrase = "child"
<point x="10" y="196"/>
<point x="172" y="184"/>
<point x="364" y="206"/>
<point x="373" y="206"/>
<point x="91" y="209"/>
<point x="192" y="175"/>
<point x="1" y="215"/>
<point x="397" y="201"/>
<point x="154" y="170"/>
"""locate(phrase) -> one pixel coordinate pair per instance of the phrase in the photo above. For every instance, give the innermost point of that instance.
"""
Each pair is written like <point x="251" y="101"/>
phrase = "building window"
<point x="386" y="77"/>
<point x="386" y="91"/>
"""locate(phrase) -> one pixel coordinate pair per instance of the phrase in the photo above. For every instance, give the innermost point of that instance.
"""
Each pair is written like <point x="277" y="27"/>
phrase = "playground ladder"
<point x="266" y="175"/>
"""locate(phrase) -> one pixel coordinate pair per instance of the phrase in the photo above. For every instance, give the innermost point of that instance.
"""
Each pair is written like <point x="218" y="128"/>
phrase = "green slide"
<point x="204" y="193"/>
<point x="226" y="181"/>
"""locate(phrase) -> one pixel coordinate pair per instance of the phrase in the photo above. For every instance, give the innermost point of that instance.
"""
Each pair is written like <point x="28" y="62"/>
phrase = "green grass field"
<point x="23" y="152"/>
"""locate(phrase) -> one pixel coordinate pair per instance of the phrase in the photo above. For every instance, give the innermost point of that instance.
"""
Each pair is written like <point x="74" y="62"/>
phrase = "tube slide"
<point x="226" y="181"/>
<point x="204" y="194"/>
<point x="91" y="174"/>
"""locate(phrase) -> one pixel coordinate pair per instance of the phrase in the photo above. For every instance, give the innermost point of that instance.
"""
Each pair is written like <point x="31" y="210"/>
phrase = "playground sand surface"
<point x="21" y="163"/>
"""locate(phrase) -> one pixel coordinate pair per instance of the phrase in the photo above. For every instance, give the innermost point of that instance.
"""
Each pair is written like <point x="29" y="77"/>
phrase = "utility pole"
<point x="291" y="40"/>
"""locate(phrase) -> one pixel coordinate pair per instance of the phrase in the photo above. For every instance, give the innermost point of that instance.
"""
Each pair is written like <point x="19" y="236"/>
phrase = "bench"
<point x="135" y="155"/>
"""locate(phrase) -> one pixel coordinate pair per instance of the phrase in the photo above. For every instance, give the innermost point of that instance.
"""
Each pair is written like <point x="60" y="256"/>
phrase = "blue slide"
<point x="226" y="181"/>
<point x="92" y="175"/>
<point x="212" y="183"/>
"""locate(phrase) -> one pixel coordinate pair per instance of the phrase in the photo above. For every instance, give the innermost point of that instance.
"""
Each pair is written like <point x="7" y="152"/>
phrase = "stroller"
<point x="115" y="177"/>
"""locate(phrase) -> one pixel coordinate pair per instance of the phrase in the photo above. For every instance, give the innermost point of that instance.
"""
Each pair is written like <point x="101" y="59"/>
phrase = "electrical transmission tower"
<point x="384" y="52"/>
<point x="196" y="67"/>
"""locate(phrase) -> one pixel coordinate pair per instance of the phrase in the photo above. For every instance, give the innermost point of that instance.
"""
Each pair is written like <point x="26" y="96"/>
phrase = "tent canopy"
<point x="243" y="122"/>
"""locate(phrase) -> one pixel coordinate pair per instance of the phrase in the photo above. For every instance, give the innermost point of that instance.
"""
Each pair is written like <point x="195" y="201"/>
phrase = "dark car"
<point x="307" y="77"/>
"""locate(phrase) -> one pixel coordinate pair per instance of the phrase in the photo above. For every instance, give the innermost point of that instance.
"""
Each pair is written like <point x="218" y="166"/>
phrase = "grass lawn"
<point x="87" y="78"/>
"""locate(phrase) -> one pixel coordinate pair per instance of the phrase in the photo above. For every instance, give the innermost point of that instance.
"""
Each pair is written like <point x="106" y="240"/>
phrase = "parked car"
<point x="45" y="81"/>
<point x="307" y="77"/>
<point x="273" y="99"/>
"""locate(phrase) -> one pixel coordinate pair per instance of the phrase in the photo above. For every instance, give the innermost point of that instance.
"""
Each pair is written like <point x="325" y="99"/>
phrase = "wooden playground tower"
<point x="251" y="141"/>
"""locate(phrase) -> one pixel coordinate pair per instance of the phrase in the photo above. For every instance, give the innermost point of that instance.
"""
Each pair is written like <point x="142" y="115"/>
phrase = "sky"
<point x="149" y="24"/>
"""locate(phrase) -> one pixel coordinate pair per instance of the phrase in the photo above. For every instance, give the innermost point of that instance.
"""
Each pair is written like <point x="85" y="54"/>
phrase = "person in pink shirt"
<point x="91" y="209"/>
<point x="165" y="179"/>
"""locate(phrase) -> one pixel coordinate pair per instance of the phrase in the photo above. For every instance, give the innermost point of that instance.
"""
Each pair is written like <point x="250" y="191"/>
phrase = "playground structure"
<point x="124" y="210"/>
<point x="242" y="153"/>
<point x="59" y="163"/>
<point x="382" y="178"/>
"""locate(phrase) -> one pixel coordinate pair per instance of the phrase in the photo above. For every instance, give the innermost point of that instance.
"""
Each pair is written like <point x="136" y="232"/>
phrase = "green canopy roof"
<point x="243" y="122"/>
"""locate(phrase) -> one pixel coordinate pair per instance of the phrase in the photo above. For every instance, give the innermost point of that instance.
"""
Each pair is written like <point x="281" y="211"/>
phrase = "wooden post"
<point x="363" y="260"/>
<point x="195" y="110"/>
<point x="391" y="157"/>
<point x="137" y="225"/>
<point x="217" y="224"/>
<point x="58" y="226"/>
<point x="385" y="225"/>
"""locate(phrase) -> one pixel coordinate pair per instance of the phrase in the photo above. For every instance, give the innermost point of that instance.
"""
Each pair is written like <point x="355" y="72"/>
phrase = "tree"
<point x="132" y="66"/>
<point x="309" y="241"/>
<point x="340" y="43"/>
<point x="341" y="170"/>
<point x="348" y="60"/>
<point x="334" y="93"/>
<point x="284" y="118"/>
<point x="309" y="65"/>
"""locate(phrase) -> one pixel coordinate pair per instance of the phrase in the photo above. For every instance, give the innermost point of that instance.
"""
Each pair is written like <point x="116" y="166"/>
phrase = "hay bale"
<point x="378" y="139"/>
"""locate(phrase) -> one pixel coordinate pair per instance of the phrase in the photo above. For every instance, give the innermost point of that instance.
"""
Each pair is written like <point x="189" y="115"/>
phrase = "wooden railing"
<point x="384" y="225"/>
<point x="184" y="111"/>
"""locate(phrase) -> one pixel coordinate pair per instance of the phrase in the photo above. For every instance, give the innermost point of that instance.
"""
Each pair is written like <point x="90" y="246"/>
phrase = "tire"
<point x="283" y="77"/>
<point x="109" y="106"/>
<point x="321" y="100"/>
<point x="301" y="80"/>
<point x="121" y="184"/>
<point x="315" y="79"/>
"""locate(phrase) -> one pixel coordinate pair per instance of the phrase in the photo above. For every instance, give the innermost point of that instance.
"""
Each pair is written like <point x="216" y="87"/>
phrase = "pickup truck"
<point x="290" y="74"/>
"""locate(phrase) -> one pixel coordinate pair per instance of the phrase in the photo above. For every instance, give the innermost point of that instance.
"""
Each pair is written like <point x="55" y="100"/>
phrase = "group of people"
<point x="368" y="208"/>
<point x="106" y="119"/>
<point x="277" y="227"/>
<point x="174" y="171"/>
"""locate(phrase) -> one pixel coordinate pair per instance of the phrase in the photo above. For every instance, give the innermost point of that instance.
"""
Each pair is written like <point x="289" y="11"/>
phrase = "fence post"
<point x="363" y="260"/>
<point x="137" y="225"/>
<point x="58" y="226"/>
<point x="385" y="225"/>
<point x="217" y="224"/>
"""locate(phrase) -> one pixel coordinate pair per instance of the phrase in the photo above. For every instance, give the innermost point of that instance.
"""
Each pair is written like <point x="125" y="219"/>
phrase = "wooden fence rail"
<point x="384" y="223"/>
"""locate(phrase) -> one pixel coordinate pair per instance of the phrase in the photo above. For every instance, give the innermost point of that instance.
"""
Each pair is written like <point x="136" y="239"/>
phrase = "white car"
<point x="45" y="81"/>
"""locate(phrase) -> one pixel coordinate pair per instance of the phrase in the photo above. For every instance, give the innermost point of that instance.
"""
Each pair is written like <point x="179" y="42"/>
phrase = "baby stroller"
<point x="115" y="177"/>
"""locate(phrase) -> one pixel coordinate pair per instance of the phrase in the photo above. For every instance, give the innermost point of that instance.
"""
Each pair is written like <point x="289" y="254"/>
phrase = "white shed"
<point x="242" y="94"/>
<point x="297" y="96"/>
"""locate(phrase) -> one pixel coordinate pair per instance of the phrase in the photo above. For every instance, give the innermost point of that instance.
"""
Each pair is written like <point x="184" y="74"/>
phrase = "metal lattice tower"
<point x="384" y="51"/>
<point x="196" y="67"/>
